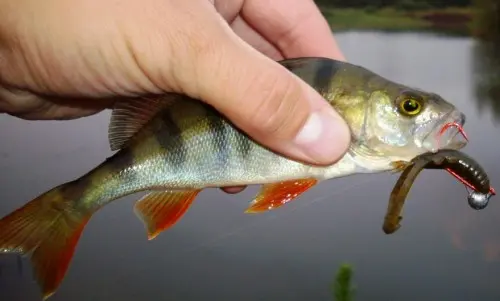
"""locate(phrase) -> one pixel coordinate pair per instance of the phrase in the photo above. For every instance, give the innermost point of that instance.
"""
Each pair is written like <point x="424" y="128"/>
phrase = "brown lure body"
<point x="463" y="167"/>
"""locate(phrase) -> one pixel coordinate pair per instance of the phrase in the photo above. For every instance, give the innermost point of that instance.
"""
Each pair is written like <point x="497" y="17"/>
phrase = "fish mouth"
<point x="448" y="133"/>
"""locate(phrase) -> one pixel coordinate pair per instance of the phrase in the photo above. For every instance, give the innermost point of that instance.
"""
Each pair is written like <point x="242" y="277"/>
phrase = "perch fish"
<point x="174" y="146"/>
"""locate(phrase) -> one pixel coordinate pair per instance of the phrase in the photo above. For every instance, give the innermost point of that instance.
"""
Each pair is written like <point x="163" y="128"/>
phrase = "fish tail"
<point x="47" y="229"/>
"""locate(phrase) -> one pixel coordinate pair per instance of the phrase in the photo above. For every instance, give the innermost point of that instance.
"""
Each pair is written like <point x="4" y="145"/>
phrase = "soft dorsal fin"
<point x="130" y="115"/>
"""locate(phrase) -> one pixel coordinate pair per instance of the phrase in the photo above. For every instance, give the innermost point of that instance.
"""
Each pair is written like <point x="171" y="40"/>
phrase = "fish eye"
<point x="410" y="106"/>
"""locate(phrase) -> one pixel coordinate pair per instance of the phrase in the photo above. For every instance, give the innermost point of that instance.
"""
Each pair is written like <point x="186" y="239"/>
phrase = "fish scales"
<point x="203" y="149"/>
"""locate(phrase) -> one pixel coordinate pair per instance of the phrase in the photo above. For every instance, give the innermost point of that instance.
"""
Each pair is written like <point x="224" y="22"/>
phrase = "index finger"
<point x="296" y="27"/>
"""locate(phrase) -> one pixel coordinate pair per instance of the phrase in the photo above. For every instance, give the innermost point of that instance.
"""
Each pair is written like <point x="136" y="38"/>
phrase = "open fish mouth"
<point x="453" y="135"/>
<point x="450" y="134"/>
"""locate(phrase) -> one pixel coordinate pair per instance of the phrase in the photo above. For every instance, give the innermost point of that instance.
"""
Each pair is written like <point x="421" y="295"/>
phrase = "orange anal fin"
<point x="47" y="229"/>
<point x="161" y="210"/>
<point x="275" y="195"/>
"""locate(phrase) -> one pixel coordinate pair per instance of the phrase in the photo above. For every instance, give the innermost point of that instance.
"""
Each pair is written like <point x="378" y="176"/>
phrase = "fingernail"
<point x="324" y="137"/>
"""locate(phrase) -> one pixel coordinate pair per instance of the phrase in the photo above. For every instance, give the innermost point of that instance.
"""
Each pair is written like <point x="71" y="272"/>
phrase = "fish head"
<point x="400" y="123"/>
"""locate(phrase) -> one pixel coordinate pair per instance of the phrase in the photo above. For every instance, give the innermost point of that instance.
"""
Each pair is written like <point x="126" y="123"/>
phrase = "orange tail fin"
<point x="48" y="229"/>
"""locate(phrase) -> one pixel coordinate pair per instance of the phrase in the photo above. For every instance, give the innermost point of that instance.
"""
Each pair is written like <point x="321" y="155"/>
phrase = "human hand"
<point x="64" y="59"/>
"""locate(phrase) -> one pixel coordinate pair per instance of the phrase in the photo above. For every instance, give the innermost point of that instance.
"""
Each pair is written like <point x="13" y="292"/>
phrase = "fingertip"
<point x="233" y="190"/>
<point x="325" y="137"/>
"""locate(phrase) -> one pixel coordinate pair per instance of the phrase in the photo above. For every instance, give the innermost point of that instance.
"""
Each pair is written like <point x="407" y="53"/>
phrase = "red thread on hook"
<point x="447" y="126"/>
<point x="492" y="190"/>
<point x="461" y="131"/>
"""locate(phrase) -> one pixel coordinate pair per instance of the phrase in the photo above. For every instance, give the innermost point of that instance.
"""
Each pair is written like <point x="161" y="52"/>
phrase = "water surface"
<point x="444" y="251"/>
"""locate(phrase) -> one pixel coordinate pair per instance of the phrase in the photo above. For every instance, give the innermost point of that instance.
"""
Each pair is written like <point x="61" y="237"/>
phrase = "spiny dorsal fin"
<point x="160" y="210"/>
<point x="130" y="115"/>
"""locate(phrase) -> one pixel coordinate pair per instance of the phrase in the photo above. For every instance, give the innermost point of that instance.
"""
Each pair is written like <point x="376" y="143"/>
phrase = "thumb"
<point x="267" y="101"/>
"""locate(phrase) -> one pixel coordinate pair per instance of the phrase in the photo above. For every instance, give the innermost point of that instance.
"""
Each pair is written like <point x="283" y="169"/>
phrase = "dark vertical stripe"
<point x="324" y="72"/>
<point x="317" y="72"/>
<point x="219" y="137"/>
<point x="226" y="135"/>
<point x="121" y="160"/>
<point x="169" y="137"/>
<point x="244" y="145"/>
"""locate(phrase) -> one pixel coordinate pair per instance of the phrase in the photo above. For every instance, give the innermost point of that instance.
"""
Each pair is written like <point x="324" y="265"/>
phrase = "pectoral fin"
<point x="275" y="195"/>
<point x="161" y="210"/>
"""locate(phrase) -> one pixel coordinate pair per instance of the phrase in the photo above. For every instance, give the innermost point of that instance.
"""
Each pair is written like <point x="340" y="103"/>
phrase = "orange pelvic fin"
<point x="161" y="210"/>
<point x="48" y="229"/>
<point x="275" y="195"/>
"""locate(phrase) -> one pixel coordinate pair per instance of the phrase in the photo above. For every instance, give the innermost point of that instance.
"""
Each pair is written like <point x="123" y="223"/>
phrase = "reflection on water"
<point x="487" y="57"/>
<point x="486" y="74"/>
<point x="444" y="250"/>
<point x="487" y="77"/>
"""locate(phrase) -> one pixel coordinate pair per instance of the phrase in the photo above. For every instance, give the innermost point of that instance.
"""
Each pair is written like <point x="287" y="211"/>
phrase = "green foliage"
<point x="487" y="60"/>
<point x="412" y="5"/>
<point x="487" y="21"/>
<point x="341" y="287"/>
<point x="453" y="17"/>
<point x="371" y="18"/>
<point x="396" y="3"/>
